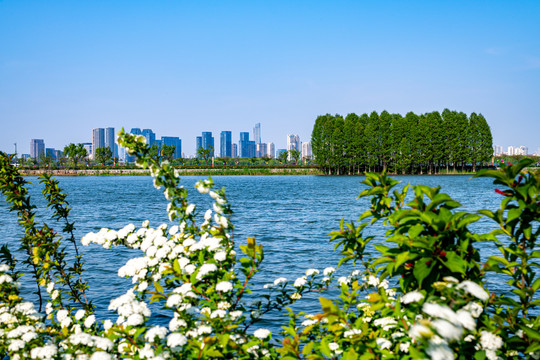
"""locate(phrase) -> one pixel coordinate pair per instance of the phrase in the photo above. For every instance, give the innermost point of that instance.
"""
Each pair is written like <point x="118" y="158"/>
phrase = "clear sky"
<point x="183" y="67"/>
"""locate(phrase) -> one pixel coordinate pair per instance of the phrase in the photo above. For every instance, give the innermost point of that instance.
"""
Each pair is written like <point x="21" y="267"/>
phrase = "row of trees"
<point x="410" y="144"/>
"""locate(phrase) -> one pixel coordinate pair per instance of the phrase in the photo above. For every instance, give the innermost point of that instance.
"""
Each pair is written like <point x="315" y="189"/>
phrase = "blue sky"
<point x="182" y="67"/>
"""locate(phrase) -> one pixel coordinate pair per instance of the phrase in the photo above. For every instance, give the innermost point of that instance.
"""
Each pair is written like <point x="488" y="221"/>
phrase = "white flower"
<point x="190" y="209"/>
<point x="145" y="223"/>
<point x="465" y="319"/>
<point x="447" y="330"/>
<point x="373" y="281"/>
<point x="79" y="314"/>
<point x="173" y="230"/>
<point x="54" y="294"/>
<point x="343" y="280"/>
<point x="418" y="331"/>
<point x="218" y="314"/>
<point x="474" y="308"/>
<point x="404" y="347"/>
<point x="235" y="314"/>
<point x="208" y="215"/>
<point x="107" y="324"/>
<point x="490" y="341"/>
<point x="328" y="271"/>
<point x="301" y="281"/>
<point x="352" y="332"/>
<point x="89" y="321"/>
<point x="310" y="272"/>
<point x="220" y="256"/>
<point x="262" y="333"/>
<point x="101" y="355"/>
<point x="413" y="296"/>
<point x="206" y="269"/>
<point x="4" y="268"/>
<point x="296" y="296"/>
<point x="174" y="300"/>
<point x="386" y="323"/>
<point x="383" y="343"/>
<point x="439" y="311"/>
<point x="224" y="286"/>
<point x="474" y="289"/>
<point x="204" y="329"/>
<point x="189" y="269"/>
<point x="333" y="346"/>
<point x="440" y="352"/>
<point x="176" y="340"/>
<point x="134" y="320"/>
<point x="61" y="315"/>
<point x="279" y="281"/>
<point x="156" y="331"/>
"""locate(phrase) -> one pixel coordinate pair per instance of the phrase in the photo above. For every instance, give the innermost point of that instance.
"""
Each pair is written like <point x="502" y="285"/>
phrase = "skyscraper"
<point x="173" y="141"/>
<point x="206" y="141"/>
<point x="37" y="148"/>
<point x="261" y="150"/>
<point x="130" y="158"/>
<point x="225" y="144"/>
<point x="198" y="144"/>
<point x="150" y="136"/>
<point x="110" y="141"/>
<point x="306" y="151"/>
<point x="235" y="150"/>
<point x="257" y="133"/>
<point x="246" y="147"/>
<point x="293" y="143"/>
<point x="271" y="150"/>
<point x="98" y="140"/>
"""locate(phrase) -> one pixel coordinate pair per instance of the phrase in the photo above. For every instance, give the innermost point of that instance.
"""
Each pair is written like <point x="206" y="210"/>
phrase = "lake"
<point x="290" y="215"/>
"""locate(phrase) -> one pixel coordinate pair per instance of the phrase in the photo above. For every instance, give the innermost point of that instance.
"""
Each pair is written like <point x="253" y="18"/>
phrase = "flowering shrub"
<point x="419" y="295"/>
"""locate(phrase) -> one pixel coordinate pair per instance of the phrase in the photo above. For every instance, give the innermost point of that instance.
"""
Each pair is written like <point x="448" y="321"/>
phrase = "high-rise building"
<point x="234" y="150"/>
<point x="271" y="150"/>
<point x="51" y="153"/>
<point x="98" y="140"/>
<point x="88" y="147"/>
<point x="173" y="141"/>
<point x="136" y="131"/>
<point x="306" y="151"/>
<point x="257" y="133"/>
<point x="261" y="150"/>
<point x="150" y="136"/>
<point x="206" y="141"/>
<point x="293" y="143"/>
<point x="225" y="144"/>
<point x="245" y="146"/>
<point x="110" y="141"/>
<point x="37" y="148"/>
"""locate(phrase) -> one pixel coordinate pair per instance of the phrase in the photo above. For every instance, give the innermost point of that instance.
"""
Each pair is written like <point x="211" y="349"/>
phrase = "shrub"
<point x="418" y="295"/>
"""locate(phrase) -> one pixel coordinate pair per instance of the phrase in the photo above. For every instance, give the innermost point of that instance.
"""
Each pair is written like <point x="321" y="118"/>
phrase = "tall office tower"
<point x="110" y="141"/>
<point x="293" y="143"/>
<point x="243" y="144"/>
<point x="261" y="150"/>
<point x="225" y="144"/>
<point x="50" y="153"/>
<point x="98" y="140"/>
<point x="257" y="133"/>
<point x="136" y="131"/>
<point x="198" y="144"/>
<point x="271" y="150"/>
<point x="306" y="151"/>
<point x="173" y="141"/>
<point x="234" y="150"/>
<point x="37" y="148"/>
<point x="150" y="136"/>
<point x="510" y="150"/>
<point x="208" y="142"/>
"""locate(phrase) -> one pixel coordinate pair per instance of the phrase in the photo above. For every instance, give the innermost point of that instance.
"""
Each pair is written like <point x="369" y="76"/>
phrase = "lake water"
<point x="290" y="215"/>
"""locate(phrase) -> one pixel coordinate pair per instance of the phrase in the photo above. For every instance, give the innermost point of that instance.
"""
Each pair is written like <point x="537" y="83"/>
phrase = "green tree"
<point x="103" y="154"/>
<point x="205" y="153"/>
<point x="76" y="152"/>
<point x="486" y="139"/>
<point x="167" y="151"/>
<point x="295" y="154"/>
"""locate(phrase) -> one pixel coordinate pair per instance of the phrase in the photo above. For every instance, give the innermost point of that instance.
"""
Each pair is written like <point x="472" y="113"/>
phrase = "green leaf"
<point x="158" y="287"/>
<point x="455" y="263"/>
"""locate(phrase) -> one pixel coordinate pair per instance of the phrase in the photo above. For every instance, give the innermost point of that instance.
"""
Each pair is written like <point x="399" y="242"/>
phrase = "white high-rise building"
<point x="306" y="151"/>
<point x="498" y="150"/>
<point x="257" y="133"/>
<point x="293" y="143"/>
<point x="261" y="150"/>
<point x="510" y="150"/>
<point x="271" y="150"/>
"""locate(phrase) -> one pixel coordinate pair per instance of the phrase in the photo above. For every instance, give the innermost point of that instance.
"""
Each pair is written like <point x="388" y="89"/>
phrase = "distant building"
<point x="261" y="150"/>
<point x="225" y="144"/>
<point x="130" y="158"/>
<point x="206" y="141"/>
<point x="293" y="143"/>
<point x="245" y="146"/>
<point x="37" y="148"/>
<point x="51" y="153"/>
<point x="136" y="131"/>
<point x="110" y="141"/>
<point x="234" y="150"/>
<point x="257" y="133"/>
<point x="150" y="136"/>
<point x="98" y="140"/>
<point x="88" y="147"/>
<point x="306" y="151"/>
<point x="497" y="150"/>
<point x="271" y="150"/>
<point x="173" y="141"/>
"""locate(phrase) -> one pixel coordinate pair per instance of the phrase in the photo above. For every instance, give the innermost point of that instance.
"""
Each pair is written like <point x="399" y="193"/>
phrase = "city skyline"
<point x="177" y="66"/>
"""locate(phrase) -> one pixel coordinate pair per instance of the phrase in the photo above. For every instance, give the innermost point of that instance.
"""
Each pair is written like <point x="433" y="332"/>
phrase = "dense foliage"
<point x="417" y="295"/>
<point x="413" y="144"/>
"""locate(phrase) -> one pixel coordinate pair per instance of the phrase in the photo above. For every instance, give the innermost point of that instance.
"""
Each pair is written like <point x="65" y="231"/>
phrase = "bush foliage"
<point x="420" y="294"/>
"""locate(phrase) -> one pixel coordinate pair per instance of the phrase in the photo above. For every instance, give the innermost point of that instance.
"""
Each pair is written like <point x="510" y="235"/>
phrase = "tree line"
<point x="412" y="144"/>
